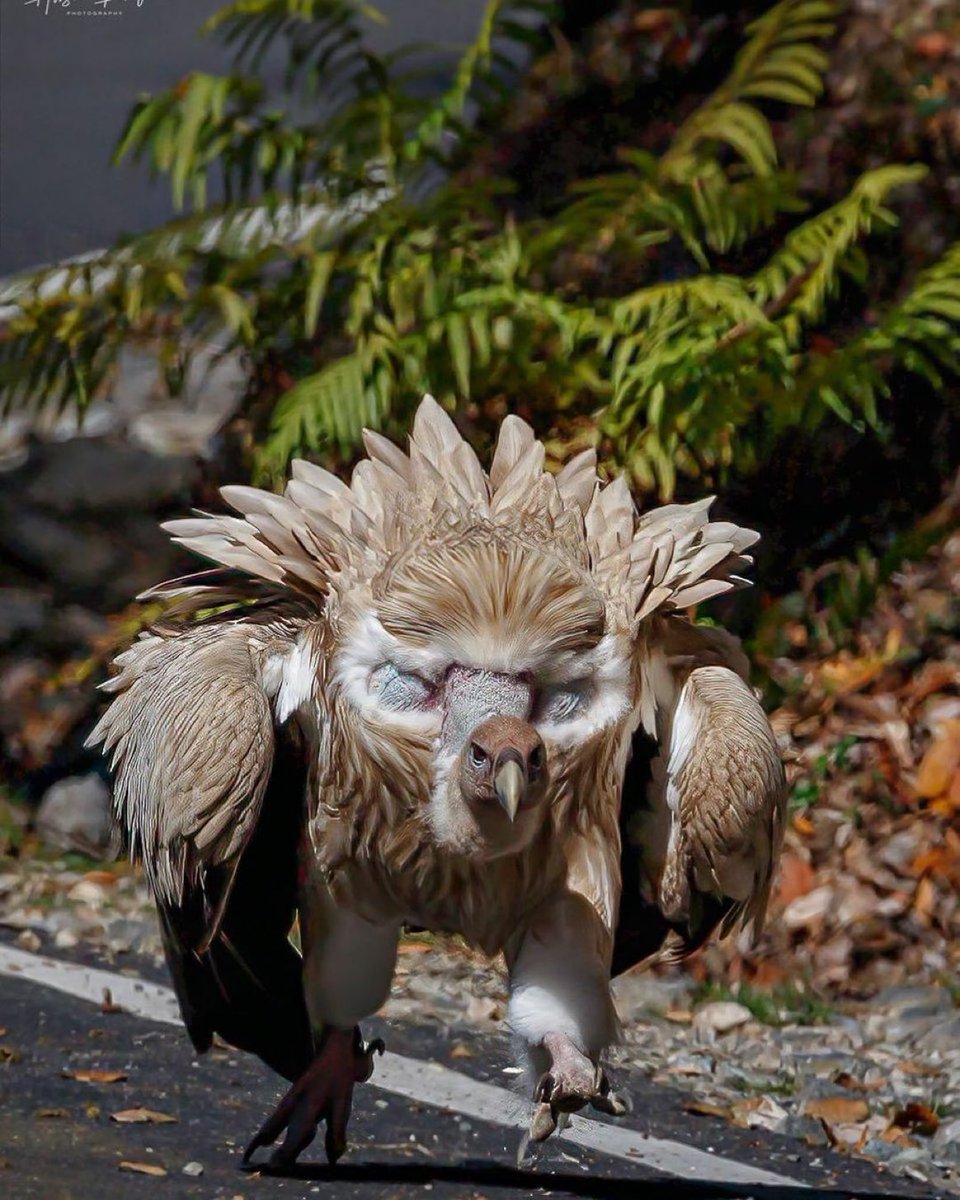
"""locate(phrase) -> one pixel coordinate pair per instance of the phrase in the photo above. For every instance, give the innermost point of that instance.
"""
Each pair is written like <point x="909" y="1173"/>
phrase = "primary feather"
<point x="502" y="724"/>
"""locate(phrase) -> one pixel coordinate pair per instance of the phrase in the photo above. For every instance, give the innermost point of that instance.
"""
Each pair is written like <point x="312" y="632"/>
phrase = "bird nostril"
<point x="478" y="756"/>
<point x="535" y="760"/>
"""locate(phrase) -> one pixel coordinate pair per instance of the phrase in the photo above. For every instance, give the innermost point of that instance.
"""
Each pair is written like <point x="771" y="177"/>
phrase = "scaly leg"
<point x="324" y="1092"/>
<point x="561" y="1005"/>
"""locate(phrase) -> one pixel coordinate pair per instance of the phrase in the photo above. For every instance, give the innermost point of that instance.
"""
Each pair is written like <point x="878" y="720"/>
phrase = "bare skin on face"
<point x="503" y="763"/>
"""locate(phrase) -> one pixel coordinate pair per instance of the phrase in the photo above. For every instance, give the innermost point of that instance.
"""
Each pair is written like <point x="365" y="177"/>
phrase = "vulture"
<point x="468" y="701"/>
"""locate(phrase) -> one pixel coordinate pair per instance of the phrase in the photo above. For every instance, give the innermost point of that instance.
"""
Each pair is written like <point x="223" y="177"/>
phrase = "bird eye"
<point x="536" y="759"/>
<point x="401" y="691"/>
<point x="478" y="756"/>
<point x="559" y="704"/>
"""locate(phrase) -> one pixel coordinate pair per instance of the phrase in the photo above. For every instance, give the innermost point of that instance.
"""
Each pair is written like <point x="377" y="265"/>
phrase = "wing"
<point x="703" y="804"/>
<point x="209" y="794"/>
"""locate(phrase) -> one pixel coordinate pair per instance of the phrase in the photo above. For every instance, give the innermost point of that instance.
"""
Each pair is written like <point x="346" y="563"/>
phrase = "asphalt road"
<point x="58" y="1141"/>
<point x="69" y="72"/>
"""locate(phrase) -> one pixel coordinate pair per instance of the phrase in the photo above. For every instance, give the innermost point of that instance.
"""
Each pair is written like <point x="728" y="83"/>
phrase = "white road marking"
<point x="426" y="1083"/>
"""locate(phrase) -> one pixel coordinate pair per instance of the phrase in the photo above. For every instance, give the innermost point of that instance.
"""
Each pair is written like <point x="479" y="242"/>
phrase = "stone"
<point x="639" y="994"/>
<point x="911" y="1000"/>
<point x="61" y="553"/>
<point x="90" y="475"/>
<point x="944" y="1036"/>
<point x="721" y="1016"/>
<point x="193" y="1169"/>
<point x="946" y="1141"/>
<point x="23" y="612"/>
<point x="74" y="814"/>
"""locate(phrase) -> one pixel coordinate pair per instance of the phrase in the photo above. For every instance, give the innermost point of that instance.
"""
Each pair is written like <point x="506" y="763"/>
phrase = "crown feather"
<point x="324" y="534"/>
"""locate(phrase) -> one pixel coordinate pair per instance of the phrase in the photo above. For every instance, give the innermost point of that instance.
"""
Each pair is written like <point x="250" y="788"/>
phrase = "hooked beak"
<point x="510" y="783"/>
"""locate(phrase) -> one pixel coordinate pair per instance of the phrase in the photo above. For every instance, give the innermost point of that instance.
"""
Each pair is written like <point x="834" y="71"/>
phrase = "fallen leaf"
<point x="47" y="1113"/>
<point x="918" y="1117"/>
<point x="679" y="1016"/>
<point x="837" y="1110"/>
<point x="796" y="877"/>
<point x="413" y="948"/>
<point x="852" y="1084"/>
<point x="104" y="878"/>
<point x="139" y="1168"/>
<point x="940" y="762"/>
<point x="461" y="1050"/>
<point x="89" y="1076"/>
<point x="701" y="1109"/>
<point x="933" y="45"/>
<point x="9" y="1055"/>
<point x="898" y="1137"/>
<point x="142" y="1116"/>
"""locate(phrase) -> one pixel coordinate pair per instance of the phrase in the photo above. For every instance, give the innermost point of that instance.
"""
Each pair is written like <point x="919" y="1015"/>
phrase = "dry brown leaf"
<point x="837" y="1110"/>
<point x="107" y="1005"/>
<point x="852" y="1084"/>
<point x="935" y="44"/>
<point x="48" y="1113"/>
<point x="90" y="1076"/>
<point x="461" y="1050"/>
<point x="917" y="1117"/>
<point x="679" y="1016"/>
<point x="142" y="1116"/>
<point x="796" y="877"/>
<point x="139" y="1168"/>
<point x="104" y="878"/>
<point x="940" y="763"/>
<point x="701" y="1109"/>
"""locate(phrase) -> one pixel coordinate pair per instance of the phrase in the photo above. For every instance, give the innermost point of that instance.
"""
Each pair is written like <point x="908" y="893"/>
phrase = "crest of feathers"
<point x="322" y="537"/>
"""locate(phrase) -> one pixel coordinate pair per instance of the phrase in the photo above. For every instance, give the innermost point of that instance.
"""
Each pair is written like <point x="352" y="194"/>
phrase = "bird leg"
<point x="571" y="1081"/>
<point x="324" y="1092"/>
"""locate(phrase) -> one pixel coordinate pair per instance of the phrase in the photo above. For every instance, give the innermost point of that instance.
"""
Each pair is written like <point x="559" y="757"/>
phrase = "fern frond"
<point x="779" y="62"/>
<point x="807" y="270"/>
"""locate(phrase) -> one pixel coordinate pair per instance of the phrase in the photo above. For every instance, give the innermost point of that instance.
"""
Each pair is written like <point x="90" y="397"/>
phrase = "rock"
<point x="944" y="1036"/>
<point x="880" y="1151"/>
<point x="913" y="1001"/>
<point x="639" y="994"/>
<point x="809" y="909"/>
<point x="59" y="552"/>
<point x="88" y="475"/>
<point x="482" y="1010"/>
<point x="74" y="814"/>
<point x="946" y="1141"/>
<point x="22" y="612"/>
<point x="193" y="1169"/>
<point x="721" y="1016"/>
<point x="805" y="1128"/>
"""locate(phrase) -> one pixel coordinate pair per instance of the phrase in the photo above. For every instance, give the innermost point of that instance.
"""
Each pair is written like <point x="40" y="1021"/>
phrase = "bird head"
<point x="488" y="657"/>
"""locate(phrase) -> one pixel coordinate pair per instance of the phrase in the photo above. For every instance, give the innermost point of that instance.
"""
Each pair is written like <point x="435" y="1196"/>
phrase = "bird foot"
<point x="571" y="1081"/>
<point x="324" y="1092"/>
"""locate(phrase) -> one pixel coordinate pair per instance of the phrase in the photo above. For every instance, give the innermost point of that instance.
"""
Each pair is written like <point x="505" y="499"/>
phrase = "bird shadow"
<point x="489" y="1178"/>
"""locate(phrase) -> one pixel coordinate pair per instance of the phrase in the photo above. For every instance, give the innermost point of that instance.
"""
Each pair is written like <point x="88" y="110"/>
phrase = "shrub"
<point x="360" y="260"/>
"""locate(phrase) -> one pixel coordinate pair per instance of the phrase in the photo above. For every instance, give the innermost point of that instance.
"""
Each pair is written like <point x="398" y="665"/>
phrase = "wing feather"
<point x="195" y="752"/>
<point x="703" y="822"/>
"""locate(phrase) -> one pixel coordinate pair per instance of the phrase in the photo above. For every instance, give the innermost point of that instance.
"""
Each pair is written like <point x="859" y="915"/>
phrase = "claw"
<point x="323" y="1093"/>
<point x="571" y="1082"/>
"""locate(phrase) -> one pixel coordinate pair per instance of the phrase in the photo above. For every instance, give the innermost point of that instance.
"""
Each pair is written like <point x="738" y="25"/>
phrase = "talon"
<point x="543" y="1122"/>
<point x="571" y="1082"/>
<point x="324" y="1093"/>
